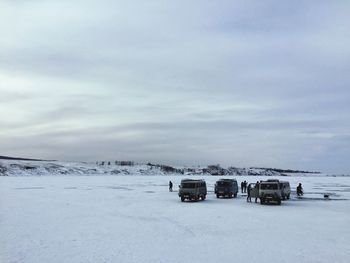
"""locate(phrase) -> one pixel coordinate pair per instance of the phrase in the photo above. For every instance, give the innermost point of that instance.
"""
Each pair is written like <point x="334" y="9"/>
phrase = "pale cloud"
<point x="237" y="82"/>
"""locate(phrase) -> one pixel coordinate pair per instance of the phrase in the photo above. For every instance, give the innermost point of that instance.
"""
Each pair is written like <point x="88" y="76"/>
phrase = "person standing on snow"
<point x="257" y="187"/>
<point x="300" y="191"/>
<point x="245" y="186"/>
<point x="249" y="199"/>
<point x="170" y="186"/>
<point x="242" y="186"/>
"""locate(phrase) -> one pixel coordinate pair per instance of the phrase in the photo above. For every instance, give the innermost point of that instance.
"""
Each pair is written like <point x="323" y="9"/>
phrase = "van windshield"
<point x="188" y="185"/>
<point x="269" y="186"/>
<point x="224" y="183"/>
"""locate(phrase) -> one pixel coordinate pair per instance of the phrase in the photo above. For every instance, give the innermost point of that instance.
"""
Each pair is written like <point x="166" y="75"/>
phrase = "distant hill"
<point x="286" y="170"/>
<point x="12" y="166"/>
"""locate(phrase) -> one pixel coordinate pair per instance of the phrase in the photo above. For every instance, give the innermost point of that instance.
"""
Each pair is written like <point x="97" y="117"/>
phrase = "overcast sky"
<point x="243" y="83"/>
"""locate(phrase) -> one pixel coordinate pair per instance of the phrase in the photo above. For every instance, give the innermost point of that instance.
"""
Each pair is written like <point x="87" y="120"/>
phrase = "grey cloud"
<point x="249" y="82"/>
<point x="11" y="96"/>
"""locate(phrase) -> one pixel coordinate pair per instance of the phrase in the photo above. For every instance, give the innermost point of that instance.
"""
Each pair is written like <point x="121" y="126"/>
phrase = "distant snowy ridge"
<point x="53" y="168"/>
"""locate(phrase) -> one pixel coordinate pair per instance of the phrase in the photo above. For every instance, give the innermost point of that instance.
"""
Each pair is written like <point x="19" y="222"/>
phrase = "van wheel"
<point x="235" y="195"/>
<point x="217" y="196"/>
<point x="262" y="201"/>
<point x="203" y="197"/>
<point x="279" y="201"/>
<point x="182" y="199"/>
<point x="288" y="196"/>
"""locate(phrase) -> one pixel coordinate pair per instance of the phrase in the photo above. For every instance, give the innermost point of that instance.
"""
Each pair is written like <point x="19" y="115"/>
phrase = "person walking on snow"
<point x="170" y="186"/>
<point x="242" y="186"/>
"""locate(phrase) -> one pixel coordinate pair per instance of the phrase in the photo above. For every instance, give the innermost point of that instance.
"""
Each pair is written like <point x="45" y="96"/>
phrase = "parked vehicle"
<point x="192" y="190"/>
<point x="226" y="187"/>
<point x="254" y="191"/>
<point x="270" y="191"/>
<point x="285" y="187"/>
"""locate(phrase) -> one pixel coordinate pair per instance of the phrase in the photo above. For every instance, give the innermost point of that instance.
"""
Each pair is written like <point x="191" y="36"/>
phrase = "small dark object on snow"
<point x="326" y="196"/>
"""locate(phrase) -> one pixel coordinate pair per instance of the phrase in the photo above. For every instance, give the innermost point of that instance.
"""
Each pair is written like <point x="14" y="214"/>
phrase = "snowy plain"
<point x="136" y="219"/>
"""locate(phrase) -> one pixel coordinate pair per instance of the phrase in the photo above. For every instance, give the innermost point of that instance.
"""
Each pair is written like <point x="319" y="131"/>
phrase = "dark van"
<point x="226" y="188"/>
<point x="192" y="190"/>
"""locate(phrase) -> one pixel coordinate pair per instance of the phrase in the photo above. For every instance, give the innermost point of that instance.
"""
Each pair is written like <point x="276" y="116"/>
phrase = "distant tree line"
<point x="286" y="170"/>
<point x="166" y="168"/>
<point x="121" y="163"/>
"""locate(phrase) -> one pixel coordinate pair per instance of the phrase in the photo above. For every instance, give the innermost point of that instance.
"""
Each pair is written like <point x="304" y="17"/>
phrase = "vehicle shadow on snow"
<point x="211" y="199"/>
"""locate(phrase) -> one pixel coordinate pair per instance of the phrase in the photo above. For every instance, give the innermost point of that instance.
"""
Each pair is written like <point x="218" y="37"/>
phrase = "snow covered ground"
<point x="135" y="219"/>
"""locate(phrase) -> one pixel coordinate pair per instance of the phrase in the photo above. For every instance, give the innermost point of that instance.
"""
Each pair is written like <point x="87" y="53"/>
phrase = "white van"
<point x="285" y="188"/>
<point x="270" y="190"/>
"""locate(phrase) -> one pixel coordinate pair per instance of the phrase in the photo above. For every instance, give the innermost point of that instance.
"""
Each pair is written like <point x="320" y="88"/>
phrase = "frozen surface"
<point x="135" y="219"/>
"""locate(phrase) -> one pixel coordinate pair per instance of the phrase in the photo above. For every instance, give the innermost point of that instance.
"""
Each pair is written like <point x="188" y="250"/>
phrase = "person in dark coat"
<point x="249" y="199"/>
<point x="242" y="186"/>
<point x="245" y="186"/>
<point x="257" y="187"/>
<point x="170" y="186"/>
<point x="300" y="191"/>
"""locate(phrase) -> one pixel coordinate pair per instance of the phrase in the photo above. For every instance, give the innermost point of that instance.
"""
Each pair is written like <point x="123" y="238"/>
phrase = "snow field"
<point x="135" y="219"/>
